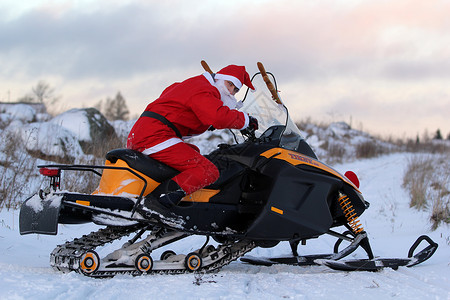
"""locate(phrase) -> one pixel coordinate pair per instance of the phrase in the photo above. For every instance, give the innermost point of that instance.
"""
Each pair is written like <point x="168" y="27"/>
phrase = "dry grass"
<point x="304" y="125"/>
<point x="16" y="171"/>
<point x="440" y="212"/>
<point x="417" y="179"/>
<point x="19" y="176"/>
<point x="84" y="181"/>
<point x="428" y="147"/>
<point x="369" y="149"/>
<point x="427" y="179"/>
<point x="344" y="146"/>
<point x="336" y="152"/>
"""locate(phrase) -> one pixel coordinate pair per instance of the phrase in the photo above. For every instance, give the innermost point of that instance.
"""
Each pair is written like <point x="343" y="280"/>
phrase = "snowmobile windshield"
<point x="269" y="113"/>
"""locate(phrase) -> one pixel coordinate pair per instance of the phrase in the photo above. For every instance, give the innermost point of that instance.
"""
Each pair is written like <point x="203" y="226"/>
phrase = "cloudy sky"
<point x="382" y="65"/>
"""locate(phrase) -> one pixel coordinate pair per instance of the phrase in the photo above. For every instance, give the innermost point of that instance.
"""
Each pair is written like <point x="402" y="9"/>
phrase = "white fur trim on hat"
<point x="233" y="79"/>
<point x="209" y="77"/>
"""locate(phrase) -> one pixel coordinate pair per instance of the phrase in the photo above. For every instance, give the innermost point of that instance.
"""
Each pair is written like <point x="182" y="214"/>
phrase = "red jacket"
<point x="192" y="106"/>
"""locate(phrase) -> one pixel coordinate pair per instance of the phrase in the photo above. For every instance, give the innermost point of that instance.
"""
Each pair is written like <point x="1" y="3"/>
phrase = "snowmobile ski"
<point x="374" y="264"/>
<point x="305" y="260"/>
<point x="377" y="264"/>
<point x="359" y="240"/>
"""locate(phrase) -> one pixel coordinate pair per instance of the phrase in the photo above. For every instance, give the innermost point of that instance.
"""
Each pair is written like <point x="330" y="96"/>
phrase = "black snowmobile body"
<point x="271" y="188"/>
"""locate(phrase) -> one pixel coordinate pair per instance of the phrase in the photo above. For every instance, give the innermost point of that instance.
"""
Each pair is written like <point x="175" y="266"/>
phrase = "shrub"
<point x="369" y="149"/>
<point x="427" y="179"/>
<point x="336" y="152"/>
<point x="417" y="179"/>
<point x="17" y="173"/>
<point x="19" y="176"/>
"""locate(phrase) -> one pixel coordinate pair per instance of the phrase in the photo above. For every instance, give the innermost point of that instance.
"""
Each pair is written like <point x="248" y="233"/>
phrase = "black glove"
<point x="253" y="123"/>
<point x="251" y="128"/>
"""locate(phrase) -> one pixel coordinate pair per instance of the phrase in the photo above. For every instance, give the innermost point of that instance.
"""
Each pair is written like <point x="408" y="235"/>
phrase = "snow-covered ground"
<point x="392" y="226"/>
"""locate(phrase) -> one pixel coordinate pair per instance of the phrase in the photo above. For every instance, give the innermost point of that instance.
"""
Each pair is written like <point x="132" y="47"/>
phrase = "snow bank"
<point x="49" y="139"/>
<point x="22" y="112"/>
<point x="76" y="122"/>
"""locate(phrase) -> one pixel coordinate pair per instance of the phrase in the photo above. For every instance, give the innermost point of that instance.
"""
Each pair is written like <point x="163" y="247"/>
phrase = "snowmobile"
<point x="272" y="188"/>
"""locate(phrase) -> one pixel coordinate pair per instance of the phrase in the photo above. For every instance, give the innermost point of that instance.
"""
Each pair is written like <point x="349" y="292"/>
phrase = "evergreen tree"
<point x="438" y="135"/>
<point x="116" y="109"/>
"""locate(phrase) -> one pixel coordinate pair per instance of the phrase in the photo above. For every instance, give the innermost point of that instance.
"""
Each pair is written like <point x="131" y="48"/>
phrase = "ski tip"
<point x="356" y="265"/>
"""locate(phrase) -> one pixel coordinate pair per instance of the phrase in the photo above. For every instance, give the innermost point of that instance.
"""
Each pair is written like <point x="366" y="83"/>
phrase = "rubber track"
<point x="66" y="257"/>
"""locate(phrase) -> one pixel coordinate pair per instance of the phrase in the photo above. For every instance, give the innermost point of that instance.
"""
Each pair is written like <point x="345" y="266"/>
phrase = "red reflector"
<point x="352" y="177"/>
<point x="49" y="172"/>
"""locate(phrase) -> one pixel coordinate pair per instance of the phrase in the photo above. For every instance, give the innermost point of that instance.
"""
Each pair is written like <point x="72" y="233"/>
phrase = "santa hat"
<point x="236" y="74"/>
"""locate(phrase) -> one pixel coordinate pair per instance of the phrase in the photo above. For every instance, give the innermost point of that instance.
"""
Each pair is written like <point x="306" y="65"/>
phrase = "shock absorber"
<point x="350" y="214"/>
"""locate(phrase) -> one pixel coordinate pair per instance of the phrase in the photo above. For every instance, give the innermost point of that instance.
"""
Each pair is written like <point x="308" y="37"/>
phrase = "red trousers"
<point x="196" y="170"/>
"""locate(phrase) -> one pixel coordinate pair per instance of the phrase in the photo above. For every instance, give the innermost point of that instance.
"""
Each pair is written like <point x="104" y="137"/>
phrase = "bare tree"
<point x="44" y="93"/>
<point x="116" y="109"/>
<point x="41" y="93"/>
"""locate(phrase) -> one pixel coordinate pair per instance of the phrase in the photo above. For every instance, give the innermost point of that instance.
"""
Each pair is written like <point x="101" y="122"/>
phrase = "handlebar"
<point x="249" y="134"/>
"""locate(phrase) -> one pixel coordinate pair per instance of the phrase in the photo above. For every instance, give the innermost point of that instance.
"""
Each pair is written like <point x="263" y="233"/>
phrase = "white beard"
<point x="225" y="95"/>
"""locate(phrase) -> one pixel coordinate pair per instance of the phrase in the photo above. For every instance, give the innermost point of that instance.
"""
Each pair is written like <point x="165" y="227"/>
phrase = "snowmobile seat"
<point x="142" y="163"/>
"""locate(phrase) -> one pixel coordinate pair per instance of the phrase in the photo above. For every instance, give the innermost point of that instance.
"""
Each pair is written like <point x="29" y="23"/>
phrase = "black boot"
<point x="169" y="193"/>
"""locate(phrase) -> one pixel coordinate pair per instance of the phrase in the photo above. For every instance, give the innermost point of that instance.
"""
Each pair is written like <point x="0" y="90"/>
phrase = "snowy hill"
<point x="392" y="225"/>
<point x="339" y="142"/>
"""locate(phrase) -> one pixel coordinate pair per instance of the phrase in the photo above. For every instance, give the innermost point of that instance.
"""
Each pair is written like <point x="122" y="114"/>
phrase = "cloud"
<point x="336" y="47"/>
<point x="305" y="40"/>
<point x="76" y="44"/>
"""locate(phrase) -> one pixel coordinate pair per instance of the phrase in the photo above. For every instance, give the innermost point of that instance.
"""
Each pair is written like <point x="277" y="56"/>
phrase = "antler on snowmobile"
<point x="206" y="67"/>
<point x="269" y="84"/>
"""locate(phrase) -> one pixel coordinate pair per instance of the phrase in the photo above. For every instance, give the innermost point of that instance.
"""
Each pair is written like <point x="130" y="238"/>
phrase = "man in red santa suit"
<point x="184" y="109"/>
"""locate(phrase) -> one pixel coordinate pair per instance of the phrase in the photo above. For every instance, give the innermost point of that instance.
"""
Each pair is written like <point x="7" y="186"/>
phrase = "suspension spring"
<point x="350" y="214"/>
